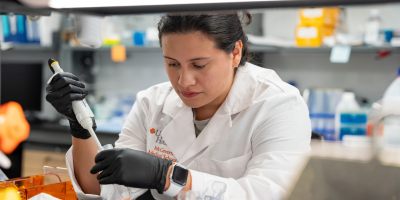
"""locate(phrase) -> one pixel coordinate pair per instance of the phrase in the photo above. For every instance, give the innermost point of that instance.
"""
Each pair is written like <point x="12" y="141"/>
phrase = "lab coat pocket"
<point x="232" y="168"/>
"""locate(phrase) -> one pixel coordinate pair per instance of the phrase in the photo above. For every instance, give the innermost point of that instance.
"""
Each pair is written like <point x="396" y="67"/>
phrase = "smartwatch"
<point x="178" y="178"/>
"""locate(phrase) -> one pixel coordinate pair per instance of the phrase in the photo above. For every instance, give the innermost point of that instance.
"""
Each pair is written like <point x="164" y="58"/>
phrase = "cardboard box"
<point x="319" y="16"/>
<point x="311" y="36"/>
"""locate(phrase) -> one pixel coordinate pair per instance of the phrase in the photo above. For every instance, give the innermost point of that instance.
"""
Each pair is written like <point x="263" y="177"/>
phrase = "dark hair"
<point x="224" y="29"/>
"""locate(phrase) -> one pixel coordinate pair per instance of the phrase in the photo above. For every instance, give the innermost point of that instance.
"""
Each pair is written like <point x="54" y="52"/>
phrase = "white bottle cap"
<point x="375" y="12"/>
<point x="348" y="96"/>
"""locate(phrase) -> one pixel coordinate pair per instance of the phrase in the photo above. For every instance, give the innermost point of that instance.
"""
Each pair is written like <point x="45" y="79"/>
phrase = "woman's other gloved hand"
<point x="61" y="91"/>
<point x="131" y="168"/>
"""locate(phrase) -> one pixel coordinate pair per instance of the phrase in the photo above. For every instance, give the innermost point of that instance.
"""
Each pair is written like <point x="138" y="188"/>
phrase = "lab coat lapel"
<point x="218" y="125"/>
<point x="179" y="134"/>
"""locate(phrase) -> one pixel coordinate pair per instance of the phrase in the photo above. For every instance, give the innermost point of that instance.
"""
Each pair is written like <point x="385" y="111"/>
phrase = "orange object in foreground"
<point x="9" y="193"/>
<point x="28" y="187"/>
<point x="13" y="126"/>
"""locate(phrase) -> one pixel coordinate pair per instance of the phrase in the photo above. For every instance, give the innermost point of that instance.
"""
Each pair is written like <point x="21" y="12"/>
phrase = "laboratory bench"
<point x="49" y="133"/>
<point x="46" y="145"/>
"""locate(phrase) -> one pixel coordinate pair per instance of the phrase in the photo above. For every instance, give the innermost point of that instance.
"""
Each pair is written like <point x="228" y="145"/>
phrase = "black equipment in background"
<point x="22" y="83"/>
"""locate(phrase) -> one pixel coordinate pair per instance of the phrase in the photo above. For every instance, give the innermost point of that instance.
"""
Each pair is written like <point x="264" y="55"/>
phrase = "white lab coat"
<point x="253" y="143"/>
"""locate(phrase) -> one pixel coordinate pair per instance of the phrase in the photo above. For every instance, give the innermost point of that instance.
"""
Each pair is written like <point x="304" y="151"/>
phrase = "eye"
<point x="173" y="65"/>
<point x="199" y="67"/>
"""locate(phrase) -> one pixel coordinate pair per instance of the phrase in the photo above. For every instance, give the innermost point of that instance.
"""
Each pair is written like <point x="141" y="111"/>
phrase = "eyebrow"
<point x="200" y="58"/>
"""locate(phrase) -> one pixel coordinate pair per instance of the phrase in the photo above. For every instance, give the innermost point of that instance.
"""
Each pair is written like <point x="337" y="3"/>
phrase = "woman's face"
<point x="200" y="73"/>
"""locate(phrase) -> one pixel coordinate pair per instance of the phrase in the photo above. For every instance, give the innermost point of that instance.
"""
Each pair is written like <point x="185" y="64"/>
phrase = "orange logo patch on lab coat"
<point x="152" y="131"/>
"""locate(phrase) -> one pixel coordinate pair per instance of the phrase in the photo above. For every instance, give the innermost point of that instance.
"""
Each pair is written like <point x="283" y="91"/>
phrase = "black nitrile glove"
<point x="61" y="91"/>
<point x="131" y="168"/>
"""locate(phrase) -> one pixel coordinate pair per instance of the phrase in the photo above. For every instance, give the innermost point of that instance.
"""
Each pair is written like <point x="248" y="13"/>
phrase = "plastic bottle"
<point x="391" y="129"/>
<point x="349" y="118"/>
<point x="372" y="27"/>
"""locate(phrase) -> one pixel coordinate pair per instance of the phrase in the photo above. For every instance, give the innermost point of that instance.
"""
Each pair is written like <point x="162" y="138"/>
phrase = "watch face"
<point x="180" y="175"/>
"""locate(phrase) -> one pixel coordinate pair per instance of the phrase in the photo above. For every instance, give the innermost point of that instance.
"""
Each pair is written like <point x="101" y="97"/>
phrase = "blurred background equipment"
<point x="87" y="30"/>
<point x="349" y="118"/>
<point x="20" y="29"/>
<point x="322" y="105"/>
<point x="16" y="78"/>
<point x="356" y="171"/>
<point x="315" y="24"/>
<point x="391" y="97"/>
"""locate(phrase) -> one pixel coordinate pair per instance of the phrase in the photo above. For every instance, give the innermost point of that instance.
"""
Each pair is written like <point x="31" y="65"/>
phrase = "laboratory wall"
<point x="363" y="74"/>
<point x="140" y="71"/>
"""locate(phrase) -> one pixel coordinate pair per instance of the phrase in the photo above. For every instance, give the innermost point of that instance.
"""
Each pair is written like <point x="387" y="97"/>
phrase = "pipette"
<point x="85" y="117"/>
<point x="81" y="109"/>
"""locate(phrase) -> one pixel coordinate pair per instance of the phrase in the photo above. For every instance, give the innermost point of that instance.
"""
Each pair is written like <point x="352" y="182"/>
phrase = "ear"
<point x="237" y="53"/>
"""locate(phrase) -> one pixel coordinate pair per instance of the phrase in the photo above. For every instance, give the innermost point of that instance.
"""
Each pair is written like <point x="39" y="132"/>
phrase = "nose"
<point x="186" y="77"/>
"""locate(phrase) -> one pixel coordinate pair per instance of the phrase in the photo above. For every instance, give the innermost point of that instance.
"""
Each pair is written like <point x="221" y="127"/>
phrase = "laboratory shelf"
<point x="128" y="49"/>
<point x="28" y="47"/>
<point x="49" y="133"/>
<point x="355" y="49"/>
<point x="260" y="48"/>
<point x="252" y="47"/>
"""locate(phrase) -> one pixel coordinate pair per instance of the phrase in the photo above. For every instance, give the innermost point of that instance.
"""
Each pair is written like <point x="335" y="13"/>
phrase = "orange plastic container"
<point x="311" y="36"/>
<point x="319" y="16"/>
<point x="31" y="186"/>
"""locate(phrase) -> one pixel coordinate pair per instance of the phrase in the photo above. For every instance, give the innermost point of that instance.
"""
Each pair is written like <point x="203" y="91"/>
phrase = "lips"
<point x="189" y="94"/>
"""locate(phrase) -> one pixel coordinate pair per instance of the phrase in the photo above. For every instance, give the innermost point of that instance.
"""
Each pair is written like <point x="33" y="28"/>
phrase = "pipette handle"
<point x="96" y="140"/>
<point x="81" y="108"/>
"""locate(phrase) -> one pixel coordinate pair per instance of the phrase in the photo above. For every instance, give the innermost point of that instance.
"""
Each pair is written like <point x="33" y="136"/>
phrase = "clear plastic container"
<point x="391" y="128"/>
<point x="349" y="118"/>
<point x="215" y="190"/>
<point x="121" y="191"/>
<point x="372" y="27"/>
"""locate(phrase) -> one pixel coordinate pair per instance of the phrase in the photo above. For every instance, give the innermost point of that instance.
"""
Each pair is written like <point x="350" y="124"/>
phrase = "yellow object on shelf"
<point x="319" y="16"/>
<point x="311" y="36"/>
<point x="111" y="41"/>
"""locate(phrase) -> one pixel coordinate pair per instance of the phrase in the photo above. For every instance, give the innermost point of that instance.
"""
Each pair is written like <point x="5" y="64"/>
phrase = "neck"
<point x="205" y="112"/>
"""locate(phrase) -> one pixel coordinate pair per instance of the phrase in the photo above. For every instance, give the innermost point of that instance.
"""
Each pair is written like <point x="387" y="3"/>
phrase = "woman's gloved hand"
<point x="131" y="168"/>
<point x="61" y="91"/>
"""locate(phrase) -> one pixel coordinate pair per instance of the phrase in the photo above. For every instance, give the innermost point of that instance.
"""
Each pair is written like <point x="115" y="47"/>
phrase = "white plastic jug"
<point x="391" y="128"/>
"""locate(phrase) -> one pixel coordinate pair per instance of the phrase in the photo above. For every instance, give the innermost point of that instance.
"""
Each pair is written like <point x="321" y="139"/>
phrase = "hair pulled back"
<point x="224" y="29"/>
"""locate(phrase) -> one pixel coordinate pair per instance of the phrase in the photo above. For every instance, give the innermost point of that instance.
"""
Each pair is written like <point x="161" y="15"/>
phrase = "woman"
<point x="220" y="117"/>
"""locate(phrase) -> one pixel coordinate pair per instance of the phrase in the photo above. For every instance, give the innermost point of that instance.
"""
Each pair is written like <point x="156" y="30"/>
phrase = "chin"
<point x="192" y="103"/>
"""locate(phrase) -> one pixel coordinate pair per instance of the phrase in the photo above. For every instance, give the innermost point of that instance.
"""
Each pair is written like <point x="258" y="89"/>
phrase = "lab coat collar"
<point x="179" y="134"/>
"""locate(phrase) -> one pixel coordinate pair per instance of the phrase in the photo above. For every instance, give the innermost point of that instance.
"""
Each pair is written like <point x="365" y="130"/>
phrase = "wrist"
<point x="78" y="131"/>
<point x="168" y="182"/>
